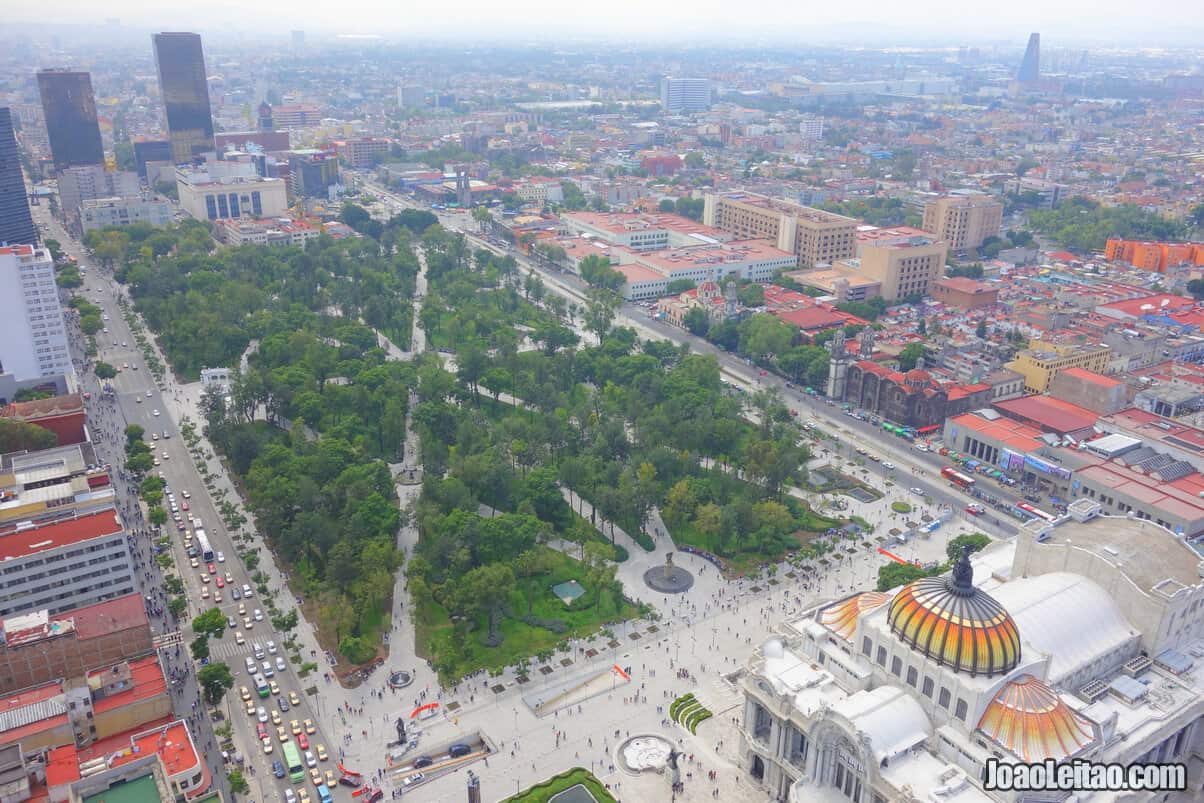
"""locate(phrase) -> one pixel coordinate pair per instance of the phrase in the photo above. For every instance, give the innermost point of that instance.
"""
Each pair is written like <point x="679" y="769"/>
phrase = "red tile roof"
<point x="109" y="616"/>
<point x="1092" y="377"/>
<point x="147" y="681"/>
<point x="1051" y="414"/>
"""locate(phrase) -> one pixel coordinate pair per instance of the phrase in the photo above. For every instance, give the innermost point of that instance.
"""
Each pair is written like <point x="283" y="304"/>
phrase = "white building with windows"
<point x="214" y="193"/>
<point x="100" y="213"/>
<point x="685" y="95"/>
<point x="1082" y="639"/>
<point x="33" y="338"/>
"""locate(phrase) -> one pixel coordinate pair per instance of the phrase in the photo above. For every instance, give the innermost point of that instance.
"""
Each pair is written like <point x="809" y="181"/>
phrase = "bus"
<point x="261" y="686"/>
<point x="1037" y="512"/>
<point x="202" y="542"/>
<point x="292" y="761"/>
<point x="957" y="478"/>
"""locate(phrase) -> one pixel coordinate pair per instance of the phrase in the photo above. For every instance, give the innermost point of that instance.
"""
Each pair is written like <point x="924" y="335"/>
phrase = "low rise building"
<point x="1102" y="394"/>
<point x="77" y="560"/>
<point x="1154" y="256"/>
<point x="963" y="221"/>
<point x="642" y="232"/>
<point x="904" y="261"/>
<point x="1041" y="362"/>
<point x="47" y="485"/>
<point x="38" y="647"/>
<point x="63" y="415"/>
<point x="840" y="285"/>
<point x="751" y="260"/>
<point x="963" y="293"/>
<point x="207" y="194"/>
<point x="539" y="190"/>
<point x="142" y="780"/>
<point x="815" y="236"/>
<point x="101" y="213"/>
<point x="281" y="231"/>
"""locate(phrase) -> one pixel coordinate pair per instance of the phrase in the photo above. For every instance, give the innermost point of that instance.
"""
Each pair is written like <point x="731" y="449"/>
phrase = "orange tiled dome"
<point x="954" y="623"/>
<point x="1029" y="719"/>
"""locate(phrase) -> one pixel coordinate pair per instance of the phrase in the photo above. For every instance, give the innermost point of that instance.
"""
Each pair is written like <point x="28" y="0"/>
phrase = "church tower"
<point x="838" y="366"/>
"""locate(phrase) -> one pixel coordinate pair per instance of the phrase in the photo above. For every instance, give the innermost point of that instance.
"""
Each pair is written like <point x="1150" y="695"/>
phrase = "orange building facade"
<point x="1157" y="257"/>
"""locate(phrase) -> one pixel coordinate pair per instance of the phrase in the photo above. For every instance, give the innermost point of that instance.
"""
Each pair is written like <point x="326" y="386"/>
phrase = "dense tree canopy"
<point x="1084" y="225"/>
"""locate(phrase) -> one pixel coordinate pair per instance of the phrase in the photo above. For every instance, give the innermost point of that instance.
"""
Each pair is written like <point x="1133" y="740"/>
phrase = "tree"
<point x="697" y="322"/>
<point x="981" y="331"/>
<point x="157" y="515"/>
<point x="762" y="335"/>
<point x="104" y="371"/>
<point x="356" y="650"/>
<point x="600" y="310"/>
<point x="911" y="353"/>
<point x="55" y="248"/>
<point x="215" y="679"/>
<point x="177" y="606"/>
<point x="597" y="272"/>
<point x="238" y="783"/>
<point x="922" y="328"/>
<point x="894" y="574"/>
<point x="210" y="623"/>
<point x="751" y="295"/>
<point x="956" y="546"/>
<point x="16" y="436"/>
<point x="679" y="286"/>
<point x="199" y="647"/>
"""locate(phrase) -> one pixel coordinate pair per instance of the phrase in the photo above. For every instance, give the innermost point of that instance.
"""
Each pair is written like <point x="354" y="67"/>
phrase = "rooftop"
<point x="1053" y="415"/>
<point x="896" y="235"/>
<point x="1005" y="431"/>
<point x="1091" y="376"/>
<point x="17" y="543"/>
<point x="963" y="284"/>
<point x="146" y="681"/>
<point x="138" y="790"/>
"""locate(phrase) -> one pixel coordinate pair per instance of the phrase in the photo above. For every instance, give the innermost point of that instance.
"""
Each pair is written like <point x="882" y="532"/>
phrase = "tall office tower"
<point x="265" y="122"/>
<point x="70" y="111"/>
<point x="16" y="224"/>
<point x="685" y="94"/>
<point x="963" y="221"/>
<point x="33" y="338"/>
<point x="1030" y="67"/>
<point x="181" y="65"/>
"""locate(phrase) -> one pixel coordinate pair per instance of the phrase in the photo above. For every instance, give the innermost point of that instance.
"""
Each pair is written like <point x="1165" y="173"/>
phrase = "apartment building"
<point x="1041" y="362"/>
<point x="85" y="183"/>
<point x="79" y="560"/>
<point x="905" y="261"/>
<point x="100" y="213"/>
<point x="39" y="646"/>
<point x="33" y="337"/>
<point x="963" y="221"/>
<point x="266" y="232"/>
<point x="362" y="152"/>
<point x="685" y="95"/>
<point x="815" y="236"/>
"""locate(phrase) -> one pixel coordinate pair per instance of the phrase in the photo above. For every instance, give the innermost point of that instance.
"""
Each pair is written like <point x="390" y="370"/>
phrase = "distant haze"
<point x="1172" y="23"/>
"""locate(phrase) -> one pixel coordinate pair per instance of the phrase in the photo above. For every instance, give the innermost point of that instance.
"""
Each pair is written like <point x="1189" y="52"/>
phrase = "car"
<point x="196" y="564"/>
<point x="281" y="666"/>
<point x="155" y="413"/>
<point x="167" y="435"/>
<point x="148" y="394"/>
<point x="252" y="667"/>
<point x="185" y="494"/>
<point x="889" y="466"/>
<point x="423" y="761"/>
<point x="221" y="557"/>
<point x="204" y="592"/>
<point x="975" y="510"/>
<point x="330" y="779"/>
<point x="125" y="365"/>
<point x="250" y="708"/>
<point x="309" y="726"/>
<point x="276" y="720"/>
<point x="166" y="456"/>
<point x="105" y="330"/>
<point x="261" y="714"/>
<point x="242" y="609"/>
<point x="278" y="771"/>
<point x="217" y="595"/>
<point x="219" y="582"/>
<point x="239" y="639"/>
<point x="459" y="750"/>
<point x="289" y="795"/>
<point x="321" y="751"/>
<point x="184" y="504"/>
<point x="235" y="594"/>
<point x="283" y="703"/>
<point x="295" y="725"/>
<point x="917" y="491"/>
<point x="181" y="527"/>
<point x="272" y="649"/>
<point x="261" y="730"/>
<point x="246" y="590"/>
<point x="248" y="623"/>
<point x="274" y="688"/>
<point x="244" y="693"/>
<point x="283" y="734"/>
<point x="315" y="775"/>
<point x="376" y="797"/>
<point x="211" y="568"/>
<point x="310" y="761"/>
<point x="294" y="698"/>
<point x="125" y="345"/>
<point x="302" y="741"/>
<point x="414" y="780"/>
<point x="267" y="745"/>
<point x="156" y="461"/>
<point x="267" y="670"/>
<point x="154" y="436"/>
<point x="353" y="781"/>
<point x="302" y="795"/>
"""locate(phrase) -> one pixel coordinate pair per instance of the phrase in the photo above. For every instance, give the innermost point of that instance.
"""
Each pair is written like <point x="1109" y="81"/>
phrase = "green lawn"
<point x="436" y="637"/>
<point x="542" y="792"/>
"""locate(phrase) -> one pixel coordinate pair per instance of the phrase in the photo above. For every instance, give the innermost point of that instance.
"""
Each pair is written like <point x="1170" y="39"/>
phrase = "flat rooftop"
<point x="139" y="790"/>
<point x="1147" y="554"/>
<point x="20" y="543"/>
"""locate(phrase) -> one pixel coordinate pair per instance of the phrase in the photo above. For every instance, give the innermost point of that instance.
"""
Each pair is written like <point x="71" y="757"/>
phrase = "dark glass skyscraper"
<point x="1030" y="67"/>
<point x="16" y="224"/>
<point x="70" y="110"/>
<point x="181" y="66"/>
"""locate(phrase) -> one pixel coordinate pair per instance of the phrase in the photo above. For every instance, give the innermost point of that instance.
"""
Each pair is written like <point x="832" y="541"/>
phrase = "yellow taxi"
<point x="244" y="693"/>
<point x="309" y="726"/>
<point x="295" y="725"/>
<point x="321" y="751"/>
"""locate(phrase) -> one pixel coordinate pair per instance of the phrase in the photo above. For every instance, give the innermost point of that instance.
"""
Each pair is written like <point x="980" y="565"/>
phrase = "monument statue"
<point x="668" y="565"/>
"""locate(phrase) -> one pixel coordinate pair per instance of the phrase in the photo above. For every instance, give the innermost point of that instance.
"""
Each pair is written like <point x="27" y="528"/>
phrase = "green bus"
<point x="292" y="761"/>
<point x="261" y="686"/>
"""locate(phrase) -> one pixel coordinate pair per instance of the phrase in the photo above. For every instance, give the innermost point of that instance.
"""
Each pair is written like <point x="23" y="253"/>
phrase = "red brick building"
<point x="62" y="415"/>
<point x="963" y="293"/>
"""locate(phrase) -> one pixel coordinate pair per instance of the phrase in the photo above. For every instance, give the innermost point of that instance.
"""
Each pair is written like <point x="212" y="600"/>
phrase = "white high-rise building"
<point x="33" y="339"/>
<point x="685" y="94"/>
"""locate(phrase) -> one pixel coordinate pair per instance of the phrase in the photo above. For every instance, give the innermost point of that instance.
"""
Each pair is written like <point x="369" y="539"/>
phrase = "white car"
<point x="258" y="614"/>
<point x="888" y="465"/>
<point x="148" y="394"/>
<point x="221" y="558"/>
<point x="310" y="761"/>
<point x="271" y="645"/>
<point x="917" y="491"/>
<point x="261" y="714"/>
<point x="155" y="413"/>
<point x="289" y="795"/>
<point x="165" y="455"/>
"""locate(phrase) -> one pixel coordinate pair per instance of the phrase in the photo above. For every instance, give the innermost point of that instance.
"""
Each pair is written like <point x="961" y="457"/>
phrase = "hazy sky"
<point x="1118" y="22"/>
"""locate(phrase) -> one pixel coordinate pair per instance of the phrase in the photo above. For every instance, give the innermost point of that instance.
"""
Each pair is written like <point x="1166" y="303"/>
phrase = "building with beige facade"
<point x="1041" y="361"/>
<point x="817" y="237"/>
<point x="963" y="221"/>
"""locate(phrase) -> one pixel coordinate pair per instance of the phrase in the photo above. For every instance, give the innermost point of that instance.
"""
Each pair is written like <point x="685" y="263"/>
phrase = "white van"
<point x="257" y="648"/>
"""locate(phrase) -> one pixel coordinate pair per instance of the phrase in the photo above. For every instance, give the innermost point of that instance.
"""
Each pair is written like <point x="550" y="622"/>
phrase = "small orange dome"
<point x="1029" y="719"/>
<point x="917" y="376"/>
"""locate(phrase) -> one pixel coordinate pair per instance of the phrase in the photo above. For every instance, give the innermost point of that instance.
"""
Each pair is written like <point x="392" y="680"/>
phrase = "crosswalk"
<point x="228" y="649"/>
<point x="168" y="639"/>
